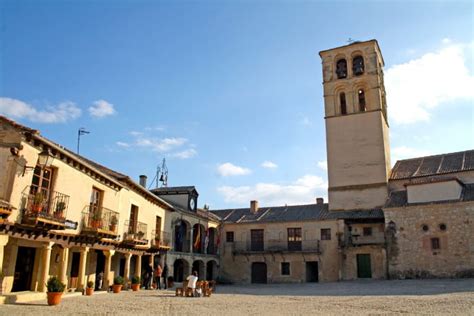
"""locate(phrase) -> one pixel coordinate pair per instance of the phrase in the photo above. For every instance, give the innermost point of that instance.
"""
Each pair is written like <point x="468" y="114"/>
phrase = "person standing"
<point x="158" y="273"/>
<point x="165" y="276"/>
<point x="149" y="277"/>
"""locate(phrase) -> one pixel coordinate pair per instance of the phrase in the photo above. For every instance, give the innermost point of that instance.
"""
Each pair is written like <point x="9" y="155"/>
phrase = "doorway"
<point x="312" y="271"/>
<point x="76" y="257"/>
<point x="364" y="268"/>
<point x="259" y="272"/>
<point x="24" y="269"/>
<point x="99" y="269"/>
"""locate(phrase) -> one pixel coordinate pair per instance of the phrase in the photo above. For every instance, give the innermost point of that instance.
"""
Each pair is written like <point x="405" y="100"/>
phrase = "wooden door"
<point x="256" y="240"/>
<point x="24" y="269"/>
<point x="364" y="269"/>
<point x="312" y="271"/>
<point x="259" y="272"/>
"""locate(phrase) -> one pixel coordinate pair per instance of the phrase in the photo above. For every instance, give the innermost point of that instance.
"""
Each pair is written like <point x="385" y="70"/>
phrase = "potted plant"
<point x="113" y="223"/>
<point x="140" y="235"/>
<point x="118" y="283"/>
<point x="90" y="288"/>
<point x="38" y="202"/>
<point x="96" y="220"/>
<point x="135" y="283"/>
<point x="55" y="290"/>
<point x="60" y="207"/>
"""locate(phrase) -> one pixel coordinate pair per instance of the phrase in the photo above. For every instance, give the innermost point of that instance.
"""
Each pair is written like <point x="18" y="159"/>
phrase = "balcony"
<point x="100" y="221"/>
<point x="272" y="246"/>
<point x="5" y="210"/>
<point x="135" y="233"/>
<point x="46" y="211"/>
<point x="355" y="240"/>
<point x="161" y="240"/>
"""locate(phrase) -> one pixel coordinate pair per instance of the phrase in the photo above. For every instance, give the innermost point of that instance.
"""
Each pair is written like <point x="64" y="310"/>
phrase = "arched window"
<point x="341" y="69"/>
<point x="358" y="65"/>
<point x="361" y="96"/>
<point x="342" y="99"/>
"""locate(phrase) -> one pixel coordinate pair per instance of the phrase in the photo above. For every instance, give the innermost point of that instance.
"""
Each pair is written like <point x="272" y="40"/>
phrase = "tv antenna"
<point x="81" y="131"/>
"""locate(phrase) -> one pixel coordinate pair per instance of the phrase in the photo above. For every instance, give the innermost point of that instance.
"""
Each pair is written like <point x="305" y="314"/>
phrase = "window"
<point x="41" y="182"/>
<point x="367" y="231"/>
<point x="442" y="227"/>
<point x="325" y="233"/>
<point x="285" y="268"/>
<point x="341" y="69"/>
<point x="435" y="243"/>
<point x="358" y="65"/>
<point x="229" y="236"/>
<point x="294" y="238"/>
<point x="425" y="227"/>
<point x="361" y="95"/>
<point x="342" y="100"/>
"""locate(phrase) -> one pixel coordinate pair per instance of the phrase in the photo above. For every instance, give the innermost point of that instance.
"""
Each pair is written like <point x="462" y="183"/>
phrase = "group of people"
<point x="154" y="276"/>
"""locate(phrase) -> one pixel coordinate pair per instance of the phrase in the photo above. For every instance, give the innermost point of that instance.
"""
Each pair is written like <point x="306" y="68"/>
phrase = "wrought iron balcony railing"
<point x="357" y="240"/>
<point x="135" y="231"/>
<point x="100" y="220"/>
<point x="276" y="246"/>
<point x="46" y="207"/>
<point x="161" y="239"/>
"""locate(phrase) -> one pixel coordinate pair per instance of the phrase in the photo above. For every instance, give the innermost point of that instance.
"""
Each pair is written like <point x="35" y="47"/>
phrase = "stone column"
<point x="108" y="263"/>
<point x="81" y="279"/>
<point x="64" y="256"/>
<point x="138" y="266"/>
<point x="44" y="266"/>
<point x="128" y="257"/>
<point x="3" y="243"/>
<point x="191" y="242"/>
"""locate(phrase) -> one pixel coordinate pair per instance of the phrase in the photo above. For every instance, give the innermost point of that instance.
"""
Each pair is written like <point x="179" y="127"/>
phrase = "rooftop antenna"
<point x="350" y="40"/>
<point x="81" y="131"/>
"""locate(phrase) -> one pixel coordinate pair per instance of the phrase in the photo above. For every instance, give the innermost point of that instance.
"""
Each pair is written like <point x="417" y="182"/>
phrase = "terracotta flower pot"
<point x="117" y="288"/>
<point x="135" y="287"/>
<point x="89" y="291"/>
<point x="54" y="298"/>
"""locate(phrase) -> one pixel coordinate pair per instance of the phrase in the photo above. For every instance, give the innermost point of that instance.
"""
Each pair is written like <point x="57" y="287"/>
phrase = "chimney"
<point x="319" y="200"/>
<point x="254" y="206"/>
<point x="143" y="180"/>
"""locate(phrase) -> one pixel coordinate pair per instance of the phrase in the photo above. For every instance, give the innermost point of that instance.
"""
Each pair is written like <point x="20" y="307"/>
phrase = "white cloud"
<point x="185" y="154"/>
<point x="160" y="145"/>
<point x="60" y="113"/>
<point x="102" y="108"/>
<point x="303" y="190"/>
<point x="227" y="169"/>
<point x="404" y="152"/>
<point x="123" y="144"/>
<point x="269" y="165"/>
<point x="323" y="164"/>
<point x="416" y="87"/>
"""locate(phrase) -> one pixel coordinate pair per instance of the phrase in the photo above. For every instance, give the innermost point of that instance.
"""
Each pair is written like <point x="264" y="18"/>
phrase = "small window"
<point x="358" y="65"/>
<point x="285" y="268"/>
<point x="361" y="96"/>
<point x="425" y="227"/>
<point x="435" y="243"/>
<point x="367" y="231"/>
<point x="341" y="69"/>
<point x="342" y="99"/>
<point x="326" y="234"/>
<point x="442" y="227"/>
<point x="229" y="236"/>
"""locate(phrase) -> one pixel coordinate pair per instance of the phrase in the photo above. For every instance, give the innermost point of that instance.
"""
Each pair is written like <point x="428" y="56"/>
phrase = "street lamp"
<point x="45" y="160"/>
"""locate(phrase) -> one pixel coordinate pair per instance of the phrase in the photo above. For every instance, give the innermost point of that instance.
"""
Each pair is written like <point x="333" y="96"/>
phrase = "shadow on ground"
<point x="355" y="288"/>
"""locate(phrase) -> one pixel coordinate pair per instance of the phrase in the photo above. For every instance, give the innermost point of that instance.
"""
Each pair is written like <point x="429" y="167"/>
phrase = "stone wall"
<point x="410" y="251"/>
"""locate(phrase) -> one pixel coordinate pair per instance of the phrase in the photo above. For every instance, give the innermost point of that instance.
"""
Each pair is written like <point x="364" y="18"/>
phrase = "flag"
<point x="197" y="241"/>
<point x="206" y="240"/>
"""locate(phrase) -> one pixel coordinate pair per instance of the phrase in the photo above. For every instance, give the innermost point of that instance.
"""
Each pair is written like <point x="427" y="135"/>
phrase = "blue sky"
<point x="230" y="92"/>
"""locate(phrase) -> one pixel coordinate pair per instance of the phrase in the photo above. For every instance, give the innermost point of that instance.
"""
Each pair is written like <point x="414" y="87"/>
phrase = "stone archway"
<point x="211" y="270"/>
<point x="199" y="266"/>
<point x="180" y="270"/>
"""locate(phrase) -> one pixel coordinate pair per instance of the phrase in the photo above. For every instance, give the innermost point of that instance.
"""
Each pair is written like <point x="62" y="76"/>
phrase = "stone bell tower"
<point x="357" y="138"/>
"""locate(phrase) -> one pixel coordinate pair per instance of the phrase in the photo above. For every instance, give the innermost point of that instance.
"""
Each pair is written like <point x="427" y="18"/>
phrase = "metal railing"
<point x="52" y="206"/>
<point x="356" y="240"/>
<point x="100" y="218"/>
<point x="161" y="239"/>
<point x="276" y="246"/>
<point x="134" y="230"/>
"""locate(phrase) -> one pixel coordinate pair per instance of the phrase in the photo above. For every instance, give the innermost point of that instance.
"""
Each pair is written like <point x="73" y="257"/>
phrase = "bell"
<point x="162" y="178"/>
